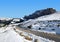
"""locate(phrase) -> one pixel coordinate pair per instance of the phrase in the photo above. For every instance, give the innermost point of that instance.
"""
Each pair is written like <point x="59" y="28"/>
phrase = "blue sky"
<point x="20" y="8"/>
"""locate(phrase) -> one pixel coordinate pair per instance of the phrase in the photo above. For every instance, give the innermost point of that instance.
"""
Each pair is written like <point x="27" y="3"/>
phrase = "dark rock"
<point x="39" y="13"/>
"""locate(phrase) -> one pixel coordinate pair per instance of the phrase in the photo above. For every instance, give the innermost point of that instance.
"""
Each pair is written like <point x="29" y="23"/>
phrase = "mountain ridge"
<point x="40" y="13"/>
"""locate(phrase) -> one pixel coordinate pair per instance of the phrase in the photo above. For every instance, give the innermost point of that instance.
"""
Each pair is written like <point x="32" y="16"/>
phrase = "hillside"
<point x="48" y="23"/>
<point x="40" y="26"/>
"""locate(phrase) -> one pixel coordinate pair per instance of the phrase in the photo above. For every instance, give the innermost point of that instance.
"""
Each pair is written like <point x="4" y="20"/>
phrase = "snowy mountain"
<point x="29" y="29"/>
<point x="48" y="23"/>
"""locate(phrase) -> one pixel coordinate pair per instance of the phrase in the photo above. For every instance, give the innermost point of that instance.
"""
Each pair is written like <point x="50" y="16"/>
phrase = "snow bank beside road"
<point x="33" y="37"/>
<point x="10" y="35"/>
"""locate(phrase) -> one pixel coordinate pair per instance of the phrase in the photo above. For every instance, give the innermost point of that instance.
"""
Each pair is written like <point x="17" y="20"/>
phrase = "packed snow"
<point x="8" y="34"/>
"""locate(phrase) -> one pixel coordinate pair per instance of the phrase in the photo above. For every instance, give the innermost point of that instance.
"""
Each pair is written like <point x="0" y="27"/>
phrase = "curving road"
<point x="45" y="35"/>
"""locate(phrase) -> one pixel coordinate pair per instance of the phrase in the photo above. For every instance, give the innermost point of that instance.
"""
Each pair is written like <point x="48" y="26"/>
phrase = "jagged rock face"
<point x="39" y="13"/>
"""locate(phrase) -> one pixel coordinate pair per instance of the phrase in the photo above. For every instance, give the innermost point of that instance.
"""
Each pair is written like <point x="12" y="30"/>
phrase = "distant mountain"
<point x="40" y="13"/>
<point x="7" y="21"/>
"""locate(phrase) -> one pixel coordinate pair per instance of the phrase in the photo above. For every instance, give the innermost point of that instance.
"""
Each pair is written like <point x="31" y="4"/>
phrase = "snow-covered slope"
<point x="9" y="36"/>
<point x="55" y="16"/>
<point x="50" y="23"/>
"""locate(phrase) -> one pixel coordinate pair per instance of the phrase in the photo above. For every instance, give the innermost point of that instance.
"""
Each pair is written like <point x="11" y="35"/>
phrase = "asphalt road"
<point x="45" y="35"/>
